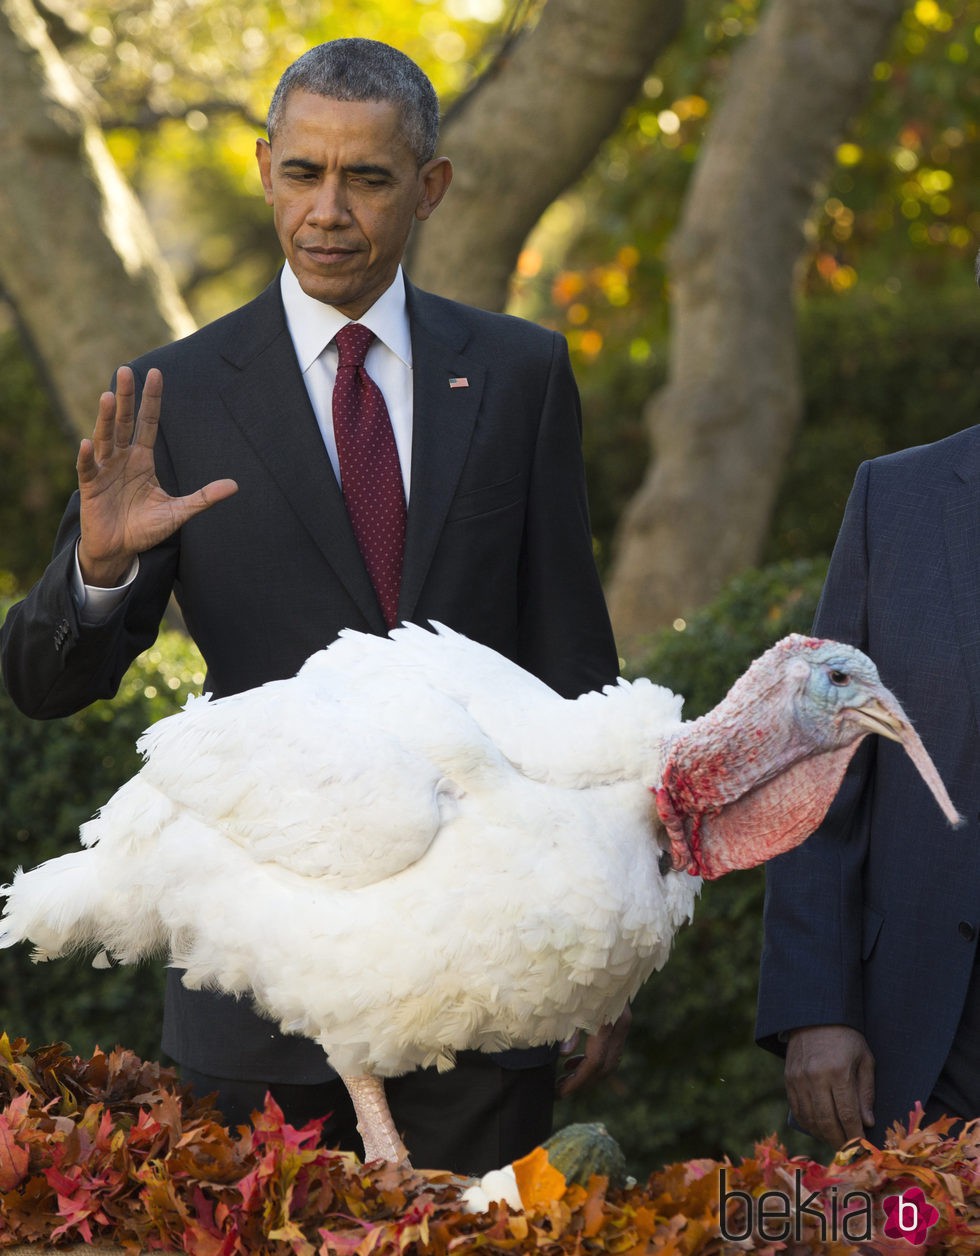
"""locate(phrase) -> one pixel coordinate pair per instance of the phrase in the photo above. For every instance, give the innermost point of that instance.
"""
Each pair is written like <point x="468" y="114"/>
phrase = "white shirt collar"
<point x="313" y="324"/>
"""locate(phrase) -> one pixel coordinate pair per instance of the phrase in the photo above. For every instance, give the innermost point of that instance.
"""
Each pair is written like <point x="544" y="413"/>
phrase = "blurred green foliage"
<point x="879" y="374"/>
<point x="56" y="774"/>
<point x="692" y="1082"/>
<point x="898" y="210"/>
<point x="37" y="466"/>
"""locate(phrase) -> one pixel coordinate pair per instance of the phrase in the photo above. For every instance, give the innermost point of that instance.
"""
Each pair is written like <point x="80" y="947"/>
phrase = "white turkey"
<point x="422" y="848"/>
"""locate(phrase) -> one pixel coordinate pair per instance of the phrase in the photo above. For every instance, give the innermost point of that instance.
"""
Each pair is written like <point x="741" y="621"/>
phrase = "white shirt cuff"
<point x="95" y="604"/>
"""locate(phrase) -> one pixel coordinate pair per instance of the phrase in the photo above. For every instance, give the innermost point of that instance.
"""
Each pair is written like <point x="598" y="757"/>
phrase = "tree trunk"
<point x="528" y="130"/>
<point x="722" y="426"/>
<point x="78" y="261"/>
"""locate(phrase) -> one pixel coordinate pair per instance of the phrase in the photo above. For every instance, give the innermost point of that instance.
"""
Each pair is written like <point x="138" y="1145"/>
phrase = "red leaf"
<point x="13" y="1158"/>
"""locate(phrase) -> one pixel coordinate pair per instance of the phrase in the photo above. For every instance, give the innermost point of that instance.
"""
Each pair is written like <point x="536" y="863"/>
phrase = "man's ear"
<point x="434" y="180"/>
<point x="263" y="155"/>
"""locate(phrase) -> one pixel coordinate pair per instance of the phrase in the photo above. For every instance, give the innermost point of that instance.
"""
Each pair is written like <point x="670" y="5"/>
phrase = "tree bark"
<point x="528" y="130"/>
<point x="78" y="261"/>
<point x="722" y="426"/>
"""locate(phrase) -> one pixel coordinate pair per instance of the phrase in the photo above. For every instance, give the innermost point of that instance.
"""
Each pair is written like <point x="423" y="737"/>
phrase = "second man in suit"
<point x="869" y="980"/>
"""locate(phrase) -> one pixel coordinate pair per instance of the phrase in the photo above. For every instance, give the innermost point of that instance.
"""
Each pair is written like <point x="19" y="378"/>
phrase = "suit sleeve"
<point x="811" y="958"/>
<point x="565" y="634"/>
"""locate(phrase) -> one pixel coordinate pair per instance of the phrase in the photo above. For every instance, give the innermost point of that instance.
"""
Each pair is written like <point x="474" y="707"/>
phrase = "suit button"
<point x="966" y="930"/>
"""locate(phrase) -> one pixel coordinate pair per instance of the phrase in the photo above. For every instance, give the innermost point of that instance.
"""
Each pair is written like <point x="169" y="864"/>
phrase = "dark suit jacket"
<point x="498" y="546"/>
<point x="872" y="922"/>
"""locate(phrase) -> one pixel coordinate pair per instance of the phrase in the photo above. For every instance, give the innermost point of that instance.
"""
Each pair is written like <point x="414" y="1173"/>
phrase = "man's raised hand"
<point x="124" y="511"/>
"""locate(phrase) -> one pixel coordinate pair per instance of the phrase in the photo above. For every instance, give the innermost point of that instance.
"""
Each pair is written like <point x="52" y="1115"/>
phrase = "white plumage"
<point x="410" y="848"/>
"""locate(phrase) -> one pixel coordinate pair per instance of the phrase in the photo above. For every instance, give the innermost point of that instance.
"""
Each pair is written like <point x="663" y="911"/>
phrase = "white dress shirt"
<point x="312" y="326"/>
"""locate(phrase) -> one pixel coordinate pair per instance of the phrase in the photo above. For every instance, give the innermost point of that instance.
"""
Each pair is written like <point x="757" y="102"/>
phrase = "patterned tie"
<point x="370" y="473"/>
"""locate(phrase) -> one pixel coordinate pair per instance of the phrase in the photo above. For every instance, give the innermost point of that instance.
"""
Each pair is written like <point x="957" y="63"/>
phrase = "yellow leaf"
<point x="538" y="1181"/>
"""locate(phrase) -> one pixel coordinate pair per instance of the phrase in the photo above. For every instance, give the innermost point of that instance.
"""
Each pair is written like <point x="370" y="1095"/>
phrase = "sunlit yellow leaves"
<point x="842" y="216"/>
<point x="579" y="294"/>
<point x="934" y="181"/>
<point x="668" y="122"/>
<point x="930" y="13"/>
<point x="587" y="343"/>
<point x="567" y="286"/>
<point x="904" y="159"/>
<point x="529" y="263"/>
<point x="849" y="154"/>
<point x="838" y="277"/>
<point x="691" y="107"/>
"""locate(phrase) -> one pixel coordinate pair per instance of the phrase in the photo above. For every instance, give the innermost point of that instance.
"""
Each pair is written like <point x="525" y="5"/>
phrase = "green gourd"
<point x="579" y="1151"/>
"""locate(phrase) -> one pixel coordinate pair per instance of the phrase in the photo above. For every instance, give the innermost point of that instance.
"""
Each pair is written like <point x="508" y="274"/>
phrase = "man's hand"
<point x="600" y="1056"/>
<point x="124" y="511"/>
<point x="830" y="1082"/>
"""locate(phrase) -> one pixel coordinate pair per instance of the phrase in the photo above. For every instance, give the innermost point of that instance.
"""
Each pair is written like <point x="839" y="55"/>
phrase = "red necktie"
<point x="370" y="473"/>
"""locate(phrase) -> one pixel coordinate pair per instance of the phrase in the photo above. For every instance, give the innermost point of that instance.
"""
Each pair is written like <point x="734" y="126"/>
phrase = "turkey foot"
<point x="374" y="1123"/>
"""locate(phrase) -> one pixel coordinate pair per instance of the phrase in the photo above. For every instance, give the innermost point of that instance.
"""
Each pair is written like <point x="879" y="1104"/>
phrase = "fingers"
<point x="124" y="408"/>
<point x="581" y="1073"/>
<point x="195" y="503"/>
<point x="148" y="419"/>
<point x="830" y="1082"/>
<point x="601" y="1056"/>
<point x="104" y="433"/>
<point x="117" y="420"/>
<point x="85" y="463"/>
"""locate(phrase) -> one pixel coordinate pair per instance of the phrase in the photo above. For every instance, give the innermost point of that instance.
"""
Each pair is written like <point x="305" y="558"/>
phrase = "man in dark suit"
<point x="868" y="979"/>
<point x="264" y="561"/>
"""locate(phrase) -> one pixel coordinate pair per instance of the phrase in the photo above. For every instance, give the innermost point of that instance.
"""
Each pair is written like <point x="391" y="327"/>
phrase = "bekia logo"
<point x="780" y="1216"/>
<point x="909" y="1216"/>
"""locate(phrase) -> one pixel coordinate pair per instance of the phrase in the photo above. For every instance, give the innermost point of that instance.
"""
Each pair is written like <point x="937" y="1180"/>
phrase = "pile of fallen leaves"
<point x="110" y="1150"/>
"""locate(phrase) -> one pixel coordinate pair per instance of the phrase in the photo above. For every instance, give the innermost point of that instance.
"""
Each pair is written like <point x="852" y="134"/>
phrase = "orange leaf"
<point x="538" y="1181"/>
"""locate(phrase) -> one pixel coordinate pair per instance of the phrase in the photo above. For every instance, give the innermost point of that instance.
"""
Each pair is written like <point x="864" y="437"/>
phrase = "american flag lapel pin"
<point x="458" y="381"/>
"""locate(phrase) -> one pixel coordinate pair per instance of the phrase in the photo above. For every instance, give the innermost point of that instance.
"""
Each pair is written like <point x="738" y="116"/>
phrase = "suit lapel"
<point x="961" y="518"/>
<point x="442" y="428"/>
<point x="269" y="402"/>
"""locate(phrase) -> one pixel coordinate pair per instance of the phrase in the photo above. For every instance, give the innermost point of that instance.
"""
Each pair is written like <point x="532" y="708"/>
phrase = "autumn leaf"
<point x="111" y="1150"/>
<point x="14" y="1159"/>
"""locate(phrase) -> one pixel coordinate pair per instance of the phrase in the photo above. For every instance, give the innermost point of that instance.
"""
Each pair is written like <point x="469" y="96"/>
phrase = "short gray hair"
<point x="365" y="69"/>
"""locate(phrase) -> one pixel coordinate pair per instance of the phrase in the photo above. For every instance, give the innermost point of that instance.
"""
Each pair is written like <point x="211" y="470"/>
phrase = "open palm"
<point x="124" y="511"/>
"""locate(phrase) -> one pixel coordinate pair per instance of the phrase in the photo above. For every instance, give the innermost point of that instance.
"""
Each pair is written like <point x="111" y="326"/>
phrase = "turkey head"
<point x="755" y="776"/>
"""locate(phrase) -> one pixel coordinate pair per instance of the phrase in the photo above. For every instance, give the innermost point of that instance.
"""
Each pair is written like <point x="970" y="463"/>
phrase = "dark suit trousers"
<point x="490" y="1115"/>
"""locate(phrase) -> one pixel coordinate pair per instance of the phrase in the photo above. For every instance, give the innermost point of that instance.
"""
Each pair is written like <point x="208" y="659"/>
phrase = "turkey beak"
<point x="887" y="719"/>
<point x="878" y="718"/>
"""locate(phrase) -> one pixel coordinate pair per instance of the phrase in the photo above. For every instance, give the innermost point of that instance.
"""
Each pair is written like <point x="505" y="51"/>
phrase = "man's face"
<point x="345" y="189"/>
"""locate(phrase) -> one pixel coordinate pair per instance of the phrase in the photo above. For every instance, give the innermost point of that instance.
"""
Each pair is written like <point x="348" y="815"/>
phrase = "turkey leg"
<point x="374" y="1123"/>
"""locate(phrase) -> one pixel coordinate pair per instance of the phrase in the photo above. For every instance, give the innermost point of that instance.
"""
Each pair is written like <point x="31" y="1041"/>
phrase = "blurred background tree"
<point x="601" y="190"/>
